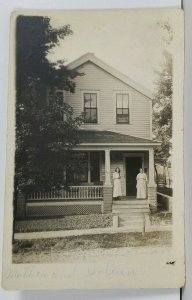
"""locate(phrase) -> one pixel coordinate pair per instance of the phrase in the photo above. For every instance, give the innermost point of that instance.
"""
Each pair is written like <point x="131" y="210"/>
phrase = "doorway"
<point x="133" y="164"/>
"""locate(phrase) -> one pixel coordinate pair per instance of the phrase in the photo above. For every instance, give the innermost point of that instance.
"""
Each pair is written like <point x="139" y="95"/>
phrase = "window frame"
<point x="97" y="106"/>
<point x="115" y="107"/>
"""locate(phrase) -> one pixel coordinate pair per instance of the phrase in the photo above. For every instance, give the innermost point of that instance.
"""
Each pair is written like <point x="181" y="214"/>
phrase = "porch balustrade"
<point x="71" y="193"/>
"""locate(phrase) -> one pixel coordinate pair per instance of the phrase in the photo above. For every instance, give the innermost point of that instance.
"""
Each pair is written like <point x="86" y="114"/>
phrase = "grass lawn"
<point x="161" y="218"/>
<point x="34" y="250"/>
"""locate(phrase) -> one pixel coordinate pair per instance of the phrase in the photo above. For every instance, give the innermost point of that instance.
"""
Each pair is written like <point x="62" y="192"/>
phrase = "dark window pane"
<point x="95" y="167"/>
<point x="122" y="119"/>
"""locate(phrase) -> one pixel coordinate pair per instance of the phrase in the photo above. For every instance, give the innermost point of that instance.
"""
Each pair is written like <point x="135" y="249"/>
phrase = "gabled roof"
<point x="109" y="137"/>
<point x="92" y="58"/>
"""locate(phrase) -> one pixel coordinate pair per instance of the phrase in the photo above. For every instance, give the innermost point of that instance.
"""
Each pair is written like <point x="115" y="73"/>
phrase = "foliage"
<point x="45" y="131"/>
<point x="167" y="31"/>
<point x="162" y="104"/>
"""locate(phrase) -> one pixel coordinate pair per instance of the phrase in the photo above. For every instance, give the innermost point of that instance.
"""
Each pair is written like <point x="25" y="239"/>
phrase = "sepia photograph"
<point x="96" y="113"/>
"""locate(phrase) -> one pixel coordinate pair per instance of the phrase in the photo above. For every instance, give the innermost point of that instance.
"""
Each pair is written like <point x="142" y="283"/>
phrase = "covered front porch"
<point x="107" y="150"/>
<point x="96" y="182"/>
<point x="91" y="190"/>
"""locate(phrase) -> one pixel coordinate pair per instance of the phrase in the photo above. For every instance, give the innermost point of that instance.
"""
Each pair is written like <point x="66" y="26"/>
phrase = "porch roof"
<point x="108" y="137"/>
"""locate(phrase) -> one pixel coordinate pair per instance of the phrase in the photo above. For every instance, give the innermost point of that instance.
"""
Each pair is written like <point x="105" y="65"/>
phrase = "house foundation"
<point x="107" y="199"/>
<point x="152" y="197"/>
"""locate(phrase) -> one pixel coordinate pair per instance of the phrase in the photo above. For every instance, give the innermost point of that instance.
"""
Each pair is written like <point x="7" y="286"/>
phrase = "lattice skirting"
<point x="62" y="210"/>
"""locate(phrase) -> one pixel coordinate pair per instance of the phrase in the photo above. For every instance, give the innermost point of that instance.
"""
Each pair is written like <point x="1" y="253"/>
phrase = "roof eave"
<point x="92" y="58"/>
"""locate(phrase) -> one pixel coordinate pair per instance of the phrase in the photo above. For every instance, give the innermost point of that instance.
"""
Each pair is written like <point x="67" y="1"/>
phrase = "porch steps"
<point x="131" y="213"/>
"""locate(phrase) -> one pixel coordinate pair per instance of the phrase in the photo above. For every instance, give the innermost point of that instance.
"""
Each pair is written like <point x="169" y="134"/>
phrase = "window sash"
<point x="90" y="115"/>
<point x="122" y="108"/>
<point x="121" y="118"/>
<point x="90" y="107"/>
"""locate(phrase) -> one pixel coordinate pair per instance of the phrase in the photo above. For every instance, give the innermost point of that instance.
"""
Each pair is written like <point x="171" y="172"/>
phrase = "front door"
<point x="133" y="164"/>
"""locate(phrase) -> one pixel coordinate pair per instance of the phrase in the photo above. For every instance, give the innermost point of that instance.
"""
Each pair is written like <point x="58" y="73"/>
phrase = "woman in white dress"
<point x="116" y="184"/>
<point x="141" y="185"/>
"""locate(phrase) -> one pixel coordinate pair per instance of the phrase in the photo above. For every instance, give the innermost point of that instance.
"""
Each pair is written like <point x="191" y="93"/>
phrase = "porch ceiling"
<point x="106" y="137"/>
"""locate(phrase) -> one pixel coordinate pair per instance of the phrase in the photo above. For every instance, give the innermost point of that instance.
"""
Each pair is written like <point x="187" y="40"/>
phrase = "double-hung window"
<point x="90" y="107"/>
<point x="122" y="108"/>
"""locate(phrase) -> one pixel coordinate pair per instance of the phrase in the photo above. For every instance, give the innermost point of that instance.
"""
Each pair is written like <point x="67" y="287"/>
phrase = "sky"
<point x="130" y="41"/>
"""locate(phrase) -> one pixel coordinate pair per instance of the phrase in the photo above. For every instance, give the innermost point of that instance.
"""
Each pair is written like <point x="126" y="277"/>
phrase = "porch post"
<point x="151" y="167"/>
<point x="107" y="188"/>
<point x="107" y="168"/>
<point x="152" y="187"/>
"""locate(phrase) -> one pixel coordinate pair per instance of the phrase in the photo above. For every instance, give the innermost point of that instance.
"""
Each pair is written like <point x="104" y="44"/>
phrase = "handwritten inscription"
<point x="109" y="270"/>
<point x="91" y="270"/>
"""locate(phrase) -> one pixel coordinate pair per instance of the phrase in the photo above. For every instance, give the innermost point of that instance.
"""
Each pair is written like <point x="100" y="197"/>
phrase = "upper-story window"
<point x="122" y="108"/>
<point x="90" y="107"/>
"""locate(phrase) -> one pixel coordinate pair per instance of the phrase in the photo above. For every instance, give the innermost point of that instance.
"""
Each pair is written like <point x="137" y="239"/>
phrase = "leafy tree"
<point x="46" y="131"/>
<point x="162" y="111"/>
<point x="162" y="103"/>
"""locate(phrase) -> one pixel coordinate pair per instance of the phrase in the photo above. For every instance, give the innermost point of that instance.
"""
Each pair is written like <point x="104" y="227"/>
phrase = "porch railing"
<point x="71" y="193"/>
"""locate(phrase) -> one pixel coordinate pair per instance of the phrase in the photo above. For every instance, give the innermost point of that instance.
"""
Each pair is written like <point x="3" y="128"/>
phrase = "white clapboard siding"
<point x="96" y="79"/>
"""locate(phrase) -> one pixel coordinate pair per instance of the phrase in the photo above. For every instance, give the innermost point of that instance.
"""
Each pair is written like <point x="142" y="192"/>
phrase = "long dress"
<point x="141" y="186"/>
<point x="116" y="185"/>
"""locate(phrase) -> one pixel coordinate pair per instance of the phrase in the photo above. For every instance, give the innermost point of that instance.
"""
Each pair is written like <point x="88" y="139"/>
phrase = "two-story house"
<point x="117" y="129"/>
<point x="117" y="132"/>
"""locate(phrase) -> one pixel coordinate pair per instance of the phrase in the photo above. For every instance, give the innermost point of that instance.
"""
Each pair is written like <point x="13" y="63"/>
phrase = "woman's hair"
<point x="117" y="170"/>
